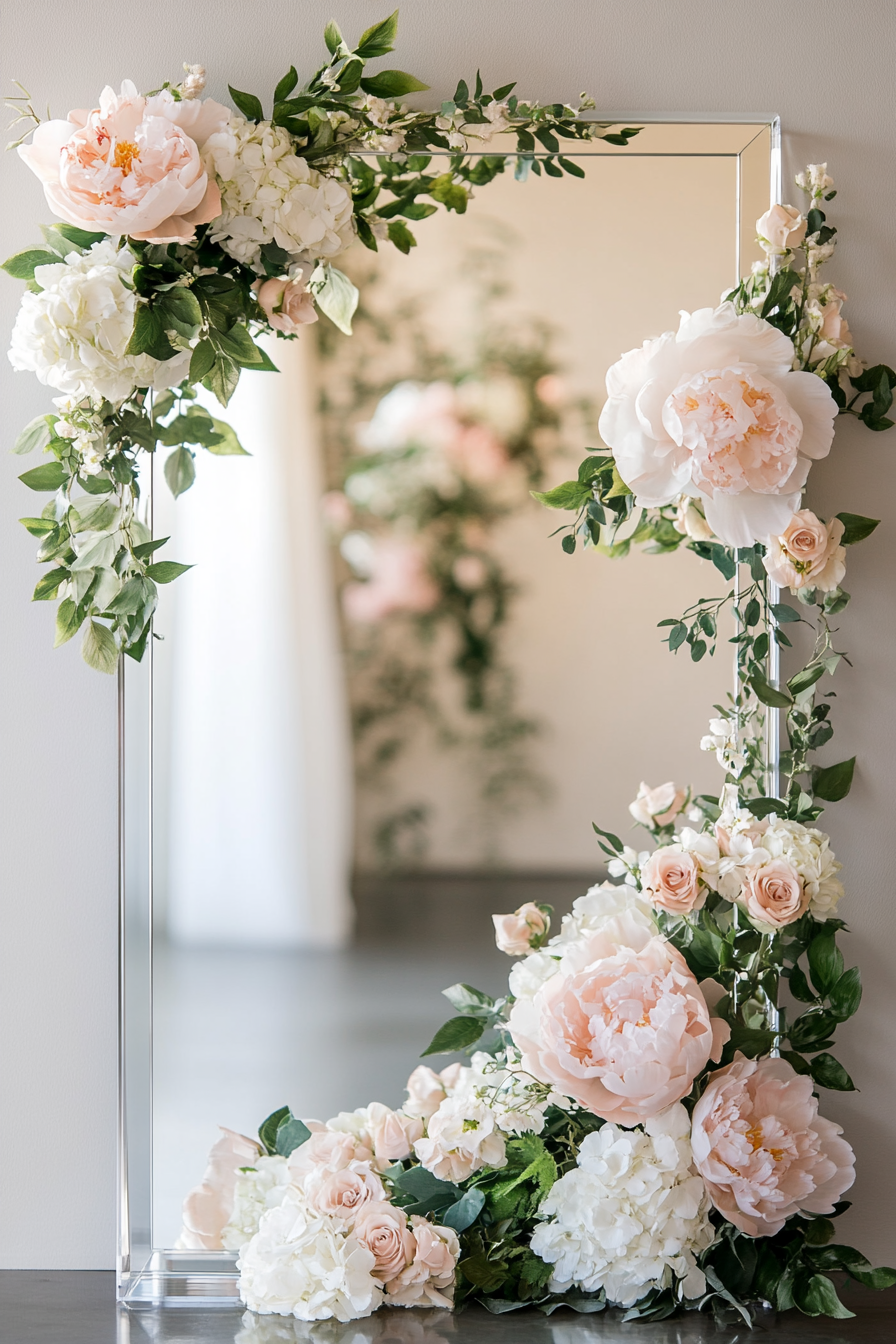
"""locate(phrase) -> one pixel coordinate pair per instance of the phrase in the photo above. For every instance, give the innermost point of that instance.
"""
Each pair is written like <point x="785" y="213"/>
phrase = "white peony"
<point x="631" y="1217"/>
<point x="74" y="333"/>
<point x="299" y="1264"/>
<point x="257" y="1189"/>
<point x="715" y="410"/>
<point x="605" y="907"/>
<point x="270" y="195"/>
<point x="462" y="1137"/>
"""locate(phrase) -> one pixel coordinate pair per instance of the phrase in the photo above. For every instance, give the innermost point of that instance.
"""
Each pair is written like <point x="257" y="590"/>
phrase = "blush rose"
<point x="774" y="894"/>
<point x="670" y="879"/>
<point x="808" y="554"/>
<point x="515" y="934"/>
<point x="287" y="304"/>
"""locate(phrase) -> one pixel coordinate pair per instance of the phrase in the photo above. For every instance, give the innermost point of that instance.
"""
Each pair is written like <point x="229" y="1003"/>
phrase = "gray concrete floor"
<point x="71" y="1307"/>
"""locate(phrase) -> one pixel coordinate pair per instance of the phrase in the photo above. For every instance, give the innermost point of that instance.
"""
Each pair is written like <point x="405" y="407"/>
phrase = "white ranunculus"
<point x="631" y="1217"/>
<point x="716" y="410"/>
<point x="300" y="1264"/>
<point x="270" y="195"/>
<point x="74" y="333"/>
<point x="257" y="1189"/>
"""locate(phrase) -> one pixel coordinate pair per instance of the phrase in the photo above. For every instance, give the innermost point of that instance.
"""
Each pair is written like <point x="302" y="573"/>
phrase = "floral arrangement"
<point x="184" y="231"/>
<point x="429" y="450"/>
<point x="639" y="1123"/>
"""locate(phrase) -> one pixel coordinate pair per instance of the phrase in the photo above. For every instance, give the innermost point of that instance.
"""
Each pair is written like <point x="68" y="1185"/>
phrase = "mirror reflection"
<point x="396" y="705"/>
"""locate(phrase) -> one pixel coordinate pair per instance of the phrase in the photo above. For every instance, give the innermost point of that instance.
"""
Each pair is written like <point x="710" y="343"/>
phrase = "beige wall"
<point x="827" y="69"/>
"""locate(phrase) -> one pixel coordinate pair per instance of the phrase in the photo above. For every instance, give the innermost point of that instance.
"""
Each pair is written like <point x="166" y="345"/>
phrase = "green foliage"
<point x="457" y="1034"/>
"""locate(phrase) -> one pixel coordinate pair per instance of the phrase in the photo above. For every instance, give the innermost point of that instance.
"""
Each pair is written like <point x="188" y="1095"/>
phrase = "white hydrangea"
<point x="269" y="194"/>
<point x="631" y="1217"/>
<point x="74" y="332"/>
<point x="299" y="1264"/>
<point x="258" y="1189"/>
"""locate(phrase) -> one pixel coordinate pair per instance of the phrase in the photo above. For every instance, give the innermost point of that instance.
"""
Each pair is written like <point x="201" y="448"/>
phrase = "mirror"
<point x="504" y="694"/>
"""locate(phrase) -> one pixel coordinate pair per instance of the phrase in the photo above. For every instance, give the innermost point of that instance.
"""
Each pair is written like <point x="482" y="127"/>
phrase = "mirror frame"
<point x="148" y="1276"/>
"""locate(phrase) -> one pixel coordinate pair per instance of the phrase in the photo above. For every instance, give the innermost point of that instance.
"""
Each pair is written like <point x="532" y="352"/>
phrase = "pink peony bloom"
<point x="287" y="304"/>
<point x="670" y="879"/>
<point x="399" y="582"/>
<point x="807" y="554"/>
<point x="762" y="1148"/>
<point x="622" y="1029"/>
<point x="132" y="166"/>
<point x="429" y="1280"/>
<point x="514" y="933"/>
<point x="207" y="1208"/>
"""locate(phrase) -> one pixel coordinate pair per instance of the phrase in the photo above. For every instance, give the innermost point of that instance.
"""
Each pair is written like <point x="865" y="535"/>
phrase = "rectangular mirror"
<point x="248" y="799"/>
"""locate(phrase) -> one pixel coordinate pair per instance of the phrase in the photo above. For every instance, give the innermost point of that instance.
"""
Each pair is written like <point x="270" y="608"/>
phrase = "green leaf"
<point x="427" y="1193"/>
<point x="69" y="619"/>
<point x="47" y="477"/>
<point x="247" y="103"/>
<point x="608" y="835"/>
<point x="39" y="527"/>
<point x="268" y="1131"/>
<point x="286" y="85"/>
<point x="180" y="471"/>
<point x="768" y="694"/>
<point x="332" y="37"/>
<point x="724" y="561"/>
<point x="291" y="1134"/>
<point x="449" y="193"/>
<point x="828" y="1072"/>
<point x="48" y="584"/>
<point x="98" y="648"/>
<point x="470" y="1002"/>
<point x="783" y="614"/>
<point x="179" y="309"/>
<point x="22" y="265"/>
<point x="392" y="84"/>
<point x="812" y="1028"/>
<point x="833" y="782"/>
<point x="56" y="240"/>
<point x="454" y="1035"/>
<point x="36" y="434"/>
<point x="201" y="361"/>
<point x="825" y="960"/>
<point x="464" y="1213"/>
<point x="229" y="445"/>
<point x="147" y="547"/>
<point x="131" y="599"/>
<point x="335" y="295"/>
<point x="569" y="495"/>
<point x="568" y="543"/>
<point x="799" y="985"/>
<point x="222" y="378"/>
<point x="401" y="236"/>
<point x="751" y="1041"/>
<point x="148" y="336"/>
<point x="80" y="237"/>
<point x="166" y="571"/>
<point x="856" y="528"/>
<point x="378" y="39"/>
<point x="817" y="1296"/>
<point x="846" y="995"/>
<point x="239" y="345"/>
<point x="802" y="681"/>
<point x="96" y="513"/>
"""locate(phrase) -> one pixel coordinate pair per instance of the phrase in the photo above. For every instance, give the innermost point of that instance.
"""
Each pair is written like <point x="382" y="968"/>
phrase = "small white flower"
<point x="462" y="1137"/>
<point x="194" y="82"/>
<point x="257" y="1189"/>
<point x="631" y="1217"/>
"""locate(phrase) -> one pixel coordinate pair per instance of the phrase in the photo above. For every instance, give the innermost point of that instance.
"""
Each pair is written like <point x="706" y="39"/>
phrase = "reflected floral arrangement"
<point x="639" y="1125"/>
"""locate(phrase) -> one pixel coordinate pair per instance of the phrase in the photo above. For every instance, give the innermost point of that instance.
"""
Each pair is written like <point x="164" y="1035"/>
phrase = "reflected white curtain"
<point x="260" y="778"/>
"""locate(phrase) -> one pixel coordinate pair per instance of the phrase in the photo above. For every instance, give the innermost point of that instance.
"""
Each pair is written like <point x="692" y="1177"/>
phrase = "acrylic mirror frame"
<point x="150" y="1276"/>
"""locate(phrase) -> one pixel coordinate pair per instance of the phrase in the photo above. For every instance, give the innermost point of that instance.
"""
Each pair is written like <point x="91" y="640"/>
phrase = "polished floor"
<point x="40" y="1307"/>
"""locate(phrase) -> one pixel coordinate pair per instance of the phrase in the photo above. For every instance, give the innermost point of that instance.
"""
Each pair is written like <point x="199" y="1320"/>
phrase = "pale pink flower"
<point x="716" y="408"/>
<point x="462" y="1137"/>
<point x="781" y="229"/>
<point x="469" y="572"/>
<point x="336" y="509"/>
<point x="399" y="582"/>
<point x="287" y="304"/>
<point x="429" y="1280"/>
<point x="392" y="1133"/>
<point x="670" y="879"/>
<point x="514" y="934"/>
<point x="774" y="893"/>
<point x="131" y="166"/>
<point x="426" y="1092"/>
<point x="807" y="554"/>
<point x="341" y="1193"/>
<point x="207" y="1208"/>
<point x="329" y="1150"/>
<point x="477" y="453"/>
<point x="383" y="1229"/>
<point x="622" y="1029"/>
<point x="762" y="1148"/>
<point x="551" y="389"/>
<point x="659" y="806"/>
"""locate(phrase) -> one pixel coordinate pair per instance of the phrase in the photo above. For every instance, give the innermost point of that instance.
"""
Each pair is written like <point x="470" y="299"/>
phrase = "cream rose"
<point x="132" y="166"/>
<point x="774" y="894"/>
<point x="670" y="880"/>
<point x="689" y="520"/>
<point x="393" y="1133"/>
<point x="622" y="1028"/>
<point x="762" y="1148"/>
<point x="780" y="229"/>
<point x="515" y="934"/>
<point x="328" y="1150"/>
<point x="716" y="410"/>
<point x="426" y="1092"/>
<point x="429" y="1280"/>
<point x="383" y="1229"/>
<point x="287" y="304"/>
<point x="342" y="1193"/>
<point x="807" y="554"/>
<point x="659" y="806"/>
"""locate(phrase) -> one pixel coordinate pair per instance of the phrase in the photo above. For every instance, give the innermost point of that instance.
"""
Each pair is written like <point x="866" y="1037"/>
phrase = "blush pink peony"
<point x="762" y="1148"/>
<point x="132" y="166"/>
<point x="659" y="806"/>
<point x="716" y="410"/>
<point x="622" y="1029"/>
<point x="207" y="1208"/>
<point x="328" y="1150"/>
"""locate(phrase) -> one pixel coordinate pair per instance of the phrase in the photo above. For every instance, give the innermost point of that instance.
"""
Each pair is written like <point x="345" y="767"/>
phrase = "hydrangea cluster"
<point x="632" y="1216"/>
<point x="73" y="333"/>
<point x="270" y="195"/>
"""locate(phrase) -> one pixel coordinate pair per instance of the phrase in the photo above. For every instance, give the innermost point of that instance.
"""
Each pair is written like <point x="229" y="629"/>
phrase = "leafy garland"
<point x="197" y="306"/>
